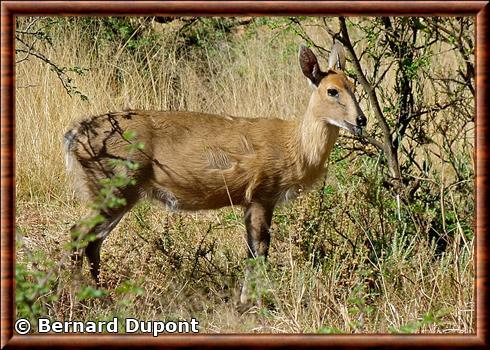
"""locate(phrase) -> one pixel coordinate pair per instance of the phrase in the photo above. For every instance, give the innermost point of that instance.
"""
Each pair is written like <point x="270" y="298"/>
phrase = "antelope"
<point x="196" y="161"/>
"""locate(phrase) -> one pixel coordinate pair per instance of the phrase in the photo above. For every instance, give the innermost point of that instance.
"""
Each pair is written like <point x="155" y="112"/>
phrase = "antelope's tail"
<point x="69" y="141"/>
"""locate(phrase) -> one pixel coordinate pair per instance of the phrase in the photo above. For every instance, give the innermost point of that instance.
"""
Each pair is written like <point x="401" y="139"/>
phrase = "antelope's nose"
<point x="361" y="120"/>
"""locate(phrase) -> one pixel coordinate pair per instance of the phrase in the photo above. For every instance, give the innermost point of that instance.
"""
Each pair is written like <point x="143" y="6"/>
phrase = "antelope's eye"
<point x="333" y="92"/>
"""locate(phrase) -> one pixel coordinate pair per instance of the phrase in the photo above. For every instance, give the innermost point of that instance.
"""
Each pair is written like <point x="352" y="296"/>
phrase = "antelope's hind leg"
<point x="101" y="230"/>
<point x="258" y="219"/>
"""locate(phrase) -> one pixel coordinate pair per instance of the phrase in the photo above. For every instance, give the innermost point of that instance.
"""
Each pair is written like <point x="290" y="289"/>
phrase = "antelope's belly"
<point x="194" y="200"/>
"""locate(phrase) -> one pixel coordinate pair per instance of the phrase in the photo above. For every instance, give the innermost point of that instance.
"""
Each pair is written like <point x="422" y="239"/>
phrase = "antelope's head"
<point x="333" y="99"/>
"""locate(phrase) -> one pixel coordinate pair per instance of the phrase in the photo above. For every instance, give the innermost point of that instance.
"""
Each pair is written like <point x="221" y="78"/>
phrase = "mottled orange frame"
<point x="10" y="9"/>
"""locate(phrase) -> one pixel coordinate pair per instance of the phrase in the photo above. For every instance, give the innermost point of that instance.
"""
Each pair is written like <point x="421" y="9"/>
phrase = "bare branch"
<point x="388" y="148"/>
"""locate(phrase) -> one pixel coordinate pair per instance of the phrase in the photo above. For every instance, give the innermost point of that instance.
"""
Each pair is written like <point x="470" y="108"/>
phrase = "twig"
<point x="387" y="146"/>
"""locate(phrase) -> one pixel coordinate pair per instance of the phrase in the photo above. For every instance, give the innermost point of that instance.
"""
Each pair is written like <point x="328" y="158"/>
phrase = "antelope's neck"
<point x="315" y="140"/>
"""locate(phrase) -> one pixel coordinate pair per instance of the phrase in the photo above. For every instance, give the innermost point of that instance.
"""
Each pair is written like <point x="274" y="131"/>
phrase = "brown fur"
<point x="200" y="158"/>
<point x="195" y="161"/>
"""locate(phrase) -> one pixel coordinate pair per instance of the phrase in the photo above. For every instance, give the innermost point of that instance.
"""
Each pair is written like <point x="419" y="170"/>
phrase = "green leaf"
<point x="129" y="135"/>
<point x="89" y="292"/>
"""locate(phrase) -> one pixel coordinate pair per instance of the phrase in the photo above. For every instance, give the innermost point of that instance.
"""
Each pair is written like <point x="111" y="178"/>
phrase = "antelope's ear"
<point x="337" y="57"/>
<point x="309" y="65"/>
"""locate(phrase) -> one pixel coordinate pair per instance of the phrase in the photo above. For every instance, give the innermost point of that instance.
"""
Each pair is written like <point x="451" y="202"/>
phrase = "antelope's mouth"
<point x="344" y="124"/>
<point x="353" y="128"/>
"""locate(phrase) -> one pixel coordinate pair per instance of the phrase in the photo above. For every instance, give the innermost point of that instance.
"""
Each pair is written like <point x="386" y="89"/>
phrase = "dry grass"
<point x="183" y="265"/>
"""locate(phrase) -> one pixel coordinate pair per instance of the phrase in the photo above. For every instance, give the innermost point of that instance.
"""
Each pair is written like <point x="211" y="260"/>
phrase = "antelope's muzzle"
<point x="361" y="120"/>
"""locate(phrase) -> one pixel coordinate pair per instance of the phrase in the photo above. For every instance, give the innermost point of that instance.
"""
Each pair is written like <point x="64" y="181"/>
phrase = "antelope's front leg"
<point x="258" y="219"/>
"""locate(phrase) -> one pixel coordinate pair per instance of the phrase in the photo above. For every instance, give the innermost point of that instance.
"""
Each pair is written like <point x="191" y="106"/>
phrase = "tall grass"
<point x="344" y="258"/>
